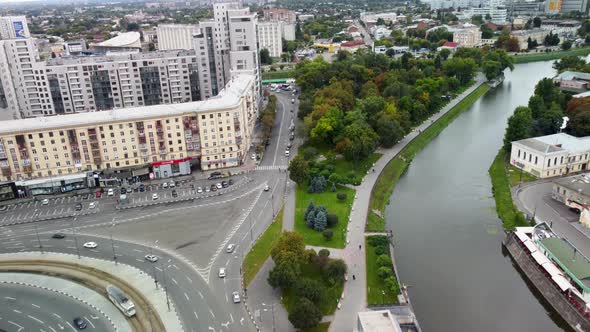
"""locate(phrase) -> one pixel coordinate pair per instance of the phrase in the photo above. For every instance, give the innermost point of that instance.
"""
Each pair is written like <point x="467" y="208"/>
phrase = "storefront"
<point x="170" y="168"/>
<point x="8" y="191"/>
<point x="57" y="184"/>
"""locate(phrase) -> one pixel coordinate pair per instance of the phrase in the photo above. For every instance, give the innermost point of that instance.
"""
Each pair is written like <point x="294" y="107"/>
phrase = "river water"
<point x="448" y="236"/>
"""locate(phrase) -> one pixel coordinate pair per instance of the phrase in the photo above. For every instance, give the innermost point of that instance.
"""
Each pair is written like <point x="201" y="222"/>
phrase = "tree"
<point x="547" y="90"/>
<point x="299" y="170"/>
<point x="328" y="234"/>
<point x="265" y="57"/>
<point x="341" y="196"/>
<point x="566" y="45"/>
<point x="537" y="106"/>
<point x="486" y="31"/>
<point x="309" y="289"/>
<point x="492" y="69"/>
<point x="390" y="132"/>
<point x="332" y="220"/>
<point x="308" y="213"/>
<point x="537" y="22"/>
<point x="531" y="43"/>
<point x="289" y="242"/>
<point x="335" y="270"/>
<point x="282" y="275"/>
<point x="318" y="185"/>
<point x="579" y="124"/>
<point x="384" y="260"/>
<point x="513" y="45"/>
<point x="305" y="314"/>
<point x="551" y="39"/>
<point x="363" y="140"/>
<point x="520" y="126"/>
<point x="550" y="121"/>
<point x="132" y="27"/>
<point x="445" y="53"/>
<point x="462" y="69"/>
<point x="384" y="272"/>
<point x="320" y="221"/>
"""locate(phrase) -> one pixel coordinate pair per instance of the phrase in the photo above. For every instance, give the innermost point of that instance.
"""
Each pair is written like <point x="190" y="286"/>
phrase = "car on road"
<point x="224" y="184"/>
<point x="222" y="272"/>
<point x="236" y="297"/>
<point x="129" y="190"/>
<point x="155" y="197"/>
<point x="172" y="184"/>
<point x="92" y="205"/>
<point x="199" y="190"/>
<point x="3" y="207"/>
<point x="230" y="248"/>
<point x="98" y="194"/>
<point x="80" y="323"/>
<point x="90" y="245"/>
<point x="292" y="137"/>
<point x="123" y="197"/>
<point x="45" y="201"/>
<point x="214" y="175"/>
<point x="151" y="258"/>
<point x="213" y="187"/>
<point x="174" y="193"/>
<point x="207" y="189"/>
<point x="293" y="101"/>
<point x="111" y="192"/>
<point x="79" y="207"/>
<point x="266" y="188"/>
<point x="230" y="181"/>
<point x="58" y="236"/>
<point x="218" y="185"/>
<point x="165" y="185"/>
<point x="141" y="188"/>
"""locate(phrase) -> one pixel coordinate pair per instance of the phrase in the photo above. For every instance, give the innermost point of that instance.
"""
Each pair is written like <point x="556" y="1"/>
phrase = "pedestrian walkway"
<point x="140" y="281"/>
<point x="72" y="290"/>
<point x="271" y="168"/>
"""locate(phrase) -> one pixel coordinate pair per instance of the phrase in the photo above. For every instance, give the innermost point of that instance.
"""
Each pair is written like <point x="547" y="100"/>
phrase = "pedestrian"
<point x="360" y="246"/>
<point x="353" y="277"/>
<point x="373" y="170"/>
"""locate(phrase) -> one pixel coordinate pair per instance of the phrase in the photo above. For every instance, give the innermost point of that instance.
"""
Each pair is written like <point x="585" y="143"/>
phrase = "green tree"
<point x="299" y="170"/>
<point x="550" y="121"/>
<point x="486" y="32"/>
<point x="537" y="22"/>
<point x="579" y="124"/>
<point x="289" y="242"/>
<point x="265" y="57"/>
<point x="445" y="53"/>
<point x="310" y="289"/>
<point x="320" y="221"/>
<point x="389" y="130"/>
<point x="462" y="69"/>
<point x="520" y="126"/>
<point x="335" y="270"/>
<point x="363" y="141"/>
<point x="305" y="314"/>
<point x="283" y="275"/>
<point x="547" y="90"/>
<point x="537" y="106"/>
<point x="566" y="45"/>
<point x="384" y="272"/>
<point x="492" y="69"/>
<point x="384" y="260"/>
<point x="332" y="219"/>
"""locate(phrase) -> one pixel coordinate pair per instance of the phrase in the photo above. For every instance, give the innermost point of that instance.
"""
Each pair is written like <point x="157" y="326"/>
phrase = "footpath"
<point x="354" y="293"/>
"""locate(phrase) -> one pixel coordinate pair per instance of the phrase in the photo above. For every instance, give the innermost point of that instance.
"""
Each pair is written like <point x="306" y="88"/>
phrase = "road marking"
<point x="232" y="317"/>
<point x="201" y="295"/>
<point x="56" y="315"/>
<point x="17" y="311"/>
<point x="52" y="329"/>
<point x="71" y="326"/>
<point x="211" y="312"/>
<point x="186" y="297"/>
<point x="34" y="305"/>
<point x="197" y="316"/>
<point x="176" y="267"/>
<point x="159" y="269"/>
<point x="15" y="324"/>
<point x="174" y="281"/>
<point x="37" y="319"/>
<point x="242" y="321"/>
<point x="89" y="322"/>
<point x="139" y="260"/>
<point x="9" y="298"/>
<point x="136" y="250"/>
<point x="280" y="130"/>
<point x="226" y="298"/>
<point x="189" y="279"/>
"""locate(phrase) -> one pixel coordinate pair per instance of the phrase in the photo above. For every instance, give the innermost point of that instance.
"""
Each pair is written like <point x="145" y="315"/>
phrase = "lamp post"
<point x="272" y="198"/>
<point x="154" y="265"/>
<point x="113" y="243"/>
<point x="165" y="284"/>
<point x="74" y="234"/>
<point x="38" y="239"/>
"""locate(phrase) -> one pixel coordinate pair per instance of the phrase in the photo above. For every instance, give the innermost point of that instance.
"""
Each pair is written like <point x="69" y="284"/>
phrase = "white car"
<point x="165" y="185"/>
<point x="222" y="272"/>
<point x="230" y="248"/>
<point x="293" y="101"/>
<point x="90" y="245"/>
<point x="287" y="153"/>
<point x="207" y="189"/>
<point x="123" y="197"/>
<point x="92" y="205"/>
<point x="219" y="185"/>
<point x="155" y="197"/>
<point x="266" y="188"/>
<point x="199" y="190"/>
<point x="45" y="202"/>
<point x="110" y="192"/>
<point x="236" y="297"/>
<point x="172" y="184"/>
<point x="151" y="258"/>
<point x="253" y="156"/>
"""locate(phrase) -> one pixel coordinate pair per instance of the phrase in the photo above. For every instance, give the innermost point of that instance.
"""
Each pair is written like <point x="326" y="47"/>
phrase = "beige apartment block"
<point x="214" y="134"/>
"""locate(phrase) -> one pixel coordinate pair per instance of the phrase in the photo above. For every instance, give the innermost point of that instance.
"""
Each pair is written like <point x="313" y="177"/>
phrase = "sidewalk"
<point x="73" y="290"/>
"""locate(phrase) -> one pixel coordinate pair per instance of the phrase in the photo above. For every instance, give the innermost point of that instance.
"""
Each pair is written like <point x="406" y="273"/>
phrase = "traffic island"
<point x="154" y="312"/>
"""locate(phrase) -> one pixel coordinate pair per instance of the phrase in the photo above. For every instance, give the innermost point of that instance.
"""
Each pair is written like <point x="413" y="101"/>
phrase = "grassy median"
<point x="546" y="56"/>
<point x="261" y="250"/>
<point x="510" y="215"/>
<point x="378" y="291"/>
<point x="388" y="178"/>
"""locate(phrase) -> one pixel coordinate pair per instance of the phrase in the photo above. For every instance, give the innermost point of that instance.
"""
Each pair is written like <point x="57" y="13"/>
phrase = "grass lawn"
<point x="389" y="176"/>
<point x="375" y="285"/>
<point x="375" y="223"/>
<point x="505" y="208"/>
<point x="345" y="167"/>
<point x="275" y="75"/>
<point x="516" y="175"/>
<point x="322" y="327"/>
<point x="333" y="292"/>
<point x="542" y="56"/>
<point x="333" y="205"/>
<point x="261" y="249"/>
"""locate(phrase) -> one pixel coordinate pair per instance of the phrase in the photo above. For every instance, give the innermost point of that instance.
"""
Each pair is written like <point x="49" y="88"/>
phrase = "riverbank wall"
<point x="558" y="301"/>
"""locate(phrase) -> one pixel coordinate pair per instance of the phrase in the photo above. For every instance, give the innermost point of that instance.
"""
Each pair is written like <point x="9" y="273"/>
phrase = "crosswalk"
<point x="270" y="168"/>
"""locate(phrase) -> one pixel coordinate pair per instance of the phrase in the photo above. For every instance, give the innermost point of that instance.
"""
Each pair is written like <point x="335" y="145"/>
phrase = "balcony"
<point x="28" y="169"/>
<point x="144" y="154"/>
<point x="143" y="147"/>
<point x="141" y="133"/>
<point x="163" y="151"/>
<point x="97" y="160"/>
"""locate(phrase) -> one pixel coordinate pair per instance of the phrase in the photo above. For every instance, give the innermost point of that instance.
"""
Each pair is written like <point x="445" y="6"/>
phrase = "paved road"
<point x="366" y="35"/>
<point x="535" y="198"/>
<point x="25" y="308"/>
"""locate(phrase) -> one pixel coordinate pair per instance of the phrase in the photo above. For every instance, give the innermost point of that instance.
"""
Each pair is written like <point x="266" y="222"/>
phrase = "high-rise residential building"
<point x="212" y="134"/>
<point x="566" y="6"/>
<point x="176" y="36"/>
<point x="270" y="36"/>
<point x="288" y="19"/>
<point x="14" y="27"/>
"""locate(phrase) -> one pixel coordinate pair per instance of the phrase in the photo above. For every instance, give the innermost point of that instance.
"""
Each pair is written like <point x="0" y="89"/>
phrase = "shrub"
<point x="328" y="234"/>
<point x="379" y="250"/>
<point x="341" y="196"/>
<point x="310" y="255"/>
<point x="335" y="270"/>
<point x="320" y="222"/>
<point x="384" y="260"/>
<point x="378" y="240"/>
<point x="332" y="219"/>
<point x="310" y="153"/>
<point x="392" y="284"/>
<point x="384" y="272"/>
<point x="324" y="253"/>
<point x="305" y="314"/>
<point x="318" y="184"/>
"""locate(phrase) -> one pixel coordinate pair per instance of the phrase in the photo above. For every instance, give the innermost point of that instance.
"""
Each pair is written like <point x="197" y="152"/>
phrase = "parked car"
<point x="165" y="185"/>
<point x="253" y="156"/>
<point x="230" y="248"/>
<point x="199" y="190"/>
<point x="218" y="185"/>
<point x="3" y="207"/>
<point x="174" y="193"/>
<point x="230" y="181"/>
<point x="110" y="192"/>
<point x="58" y="236"/>
<point x="92" y="205"/>
<point x="266" y="188"/>
<point x="224" y="184"/>
<point x="287" y="153"/>
<point x="98" y="194"/>
<point x="293" y="101"/>
<point x="214" y="175"/>
<point x="80" y="323"/>
<point x="155" y="197"/>
<point x="141" y="187"/>
<point x="90" y="245"/>
<point x="45" y="202"/>
<point x="213" y="187"/>
<point x="207" y="189"/>
<point x="129" y="190"/>
<point x="172" y="184"/>
<point x="236" y="297"/>
<point x="79" y="207"/>
<point x="86" y="196"/>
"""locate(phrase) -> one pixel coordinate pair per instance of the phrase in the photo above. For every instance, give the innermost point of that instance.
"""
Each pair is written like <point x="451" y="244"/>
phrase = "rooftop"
<point x="569" y="259"/>
<point x="557" y="143"/>
<point x="579" y="183"/>
<point x="572" y="75"/>
<point x="378" y="321"/>
<point x="122" y="40"/>
<point x="229" y="97"/>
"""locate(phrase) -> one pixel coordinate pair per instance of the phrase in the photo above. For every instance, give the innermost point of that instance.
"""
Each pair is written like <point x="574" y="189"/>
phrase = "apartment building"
<point x="176" y="36"/>
<point x="288" y="18"/>
<point x="551" y="155"/>
<point x="212" y="134"/>
<point x="270" y="36"/>
<point x="467" y="37"/>
<point x="534" y="34"/>
<point x="14" y="27"/>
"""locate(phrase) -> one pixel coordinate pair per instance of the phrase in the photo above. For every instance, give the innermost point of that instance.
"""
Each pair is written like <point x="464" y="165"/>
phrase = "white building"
<point x="123" y="42"/>
<point x="270" y="37"/>
<point x="373" y="17"/>
<point x="176" y="36"/>
<point x="14" y="27"/>
<point x="551" y="155"/>
<point x="498" y="14"/>
<point x="467" y="37"/>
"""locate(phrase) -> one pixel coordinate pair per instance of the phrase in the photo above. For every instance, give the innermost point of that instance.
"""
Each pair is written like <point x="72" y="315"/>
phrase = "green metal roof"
<point x="278" y="80"/>
<point x="569" y="259"/>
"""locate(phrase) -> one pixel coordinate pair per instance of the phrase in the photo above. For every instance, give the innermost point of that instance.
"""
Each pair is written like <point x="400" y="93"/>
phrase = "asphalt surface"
<point x="188" y="237"/>
<point x="24" y="308"/>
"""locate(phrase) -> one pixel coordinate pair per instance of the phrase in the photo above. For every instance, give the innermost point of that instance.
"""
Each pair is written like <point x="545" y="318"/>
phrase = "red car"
<point x="98" y="194"/>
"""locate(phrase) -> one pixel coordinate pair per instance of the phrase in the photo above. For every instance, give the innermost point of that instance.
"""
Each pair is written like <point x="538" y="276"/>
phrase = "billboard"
<point x="19" y="29"/>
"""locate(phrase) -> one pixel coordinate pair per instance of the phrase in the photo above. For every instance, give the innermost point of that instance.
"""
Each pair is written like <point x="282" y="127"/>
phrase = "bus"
<point x="121" y="301"/>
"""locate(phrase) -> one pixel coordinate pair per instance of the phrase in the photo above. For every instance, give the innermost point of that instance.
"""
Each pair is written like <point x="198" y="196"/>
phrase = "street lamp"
<point x="74" y="234"/>
<point x="38" y="239"/>
<point x="154" y="265"/>
<point x="112" y="242"/>
<point x="165" y="283"/>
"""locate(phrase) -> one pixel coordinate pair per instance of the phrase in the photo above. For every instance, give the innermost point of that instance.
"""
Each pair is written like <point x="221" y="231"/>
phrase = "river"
<point x="448" y="236"/>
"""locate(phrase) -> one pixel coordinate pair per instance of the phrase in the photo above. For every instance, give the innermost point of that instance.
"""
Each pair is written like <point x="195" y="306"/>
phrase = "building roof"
<point x="450" y="44"/>
<point x="570" y="75"/>
<point x="579" y="183"/>
<point x="557" y="143"/>
<point x="352" y="43"/>
<point x="124" y="39"/>
<point x="378" y="321"/>
<point x="228" y="98"/>
<point x="569" y="259"/>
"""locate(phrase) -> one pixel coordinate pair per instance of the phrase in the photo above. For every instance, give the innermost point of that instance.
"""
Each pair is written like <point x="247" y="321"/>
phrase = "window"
<point x="548" y="162"/>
